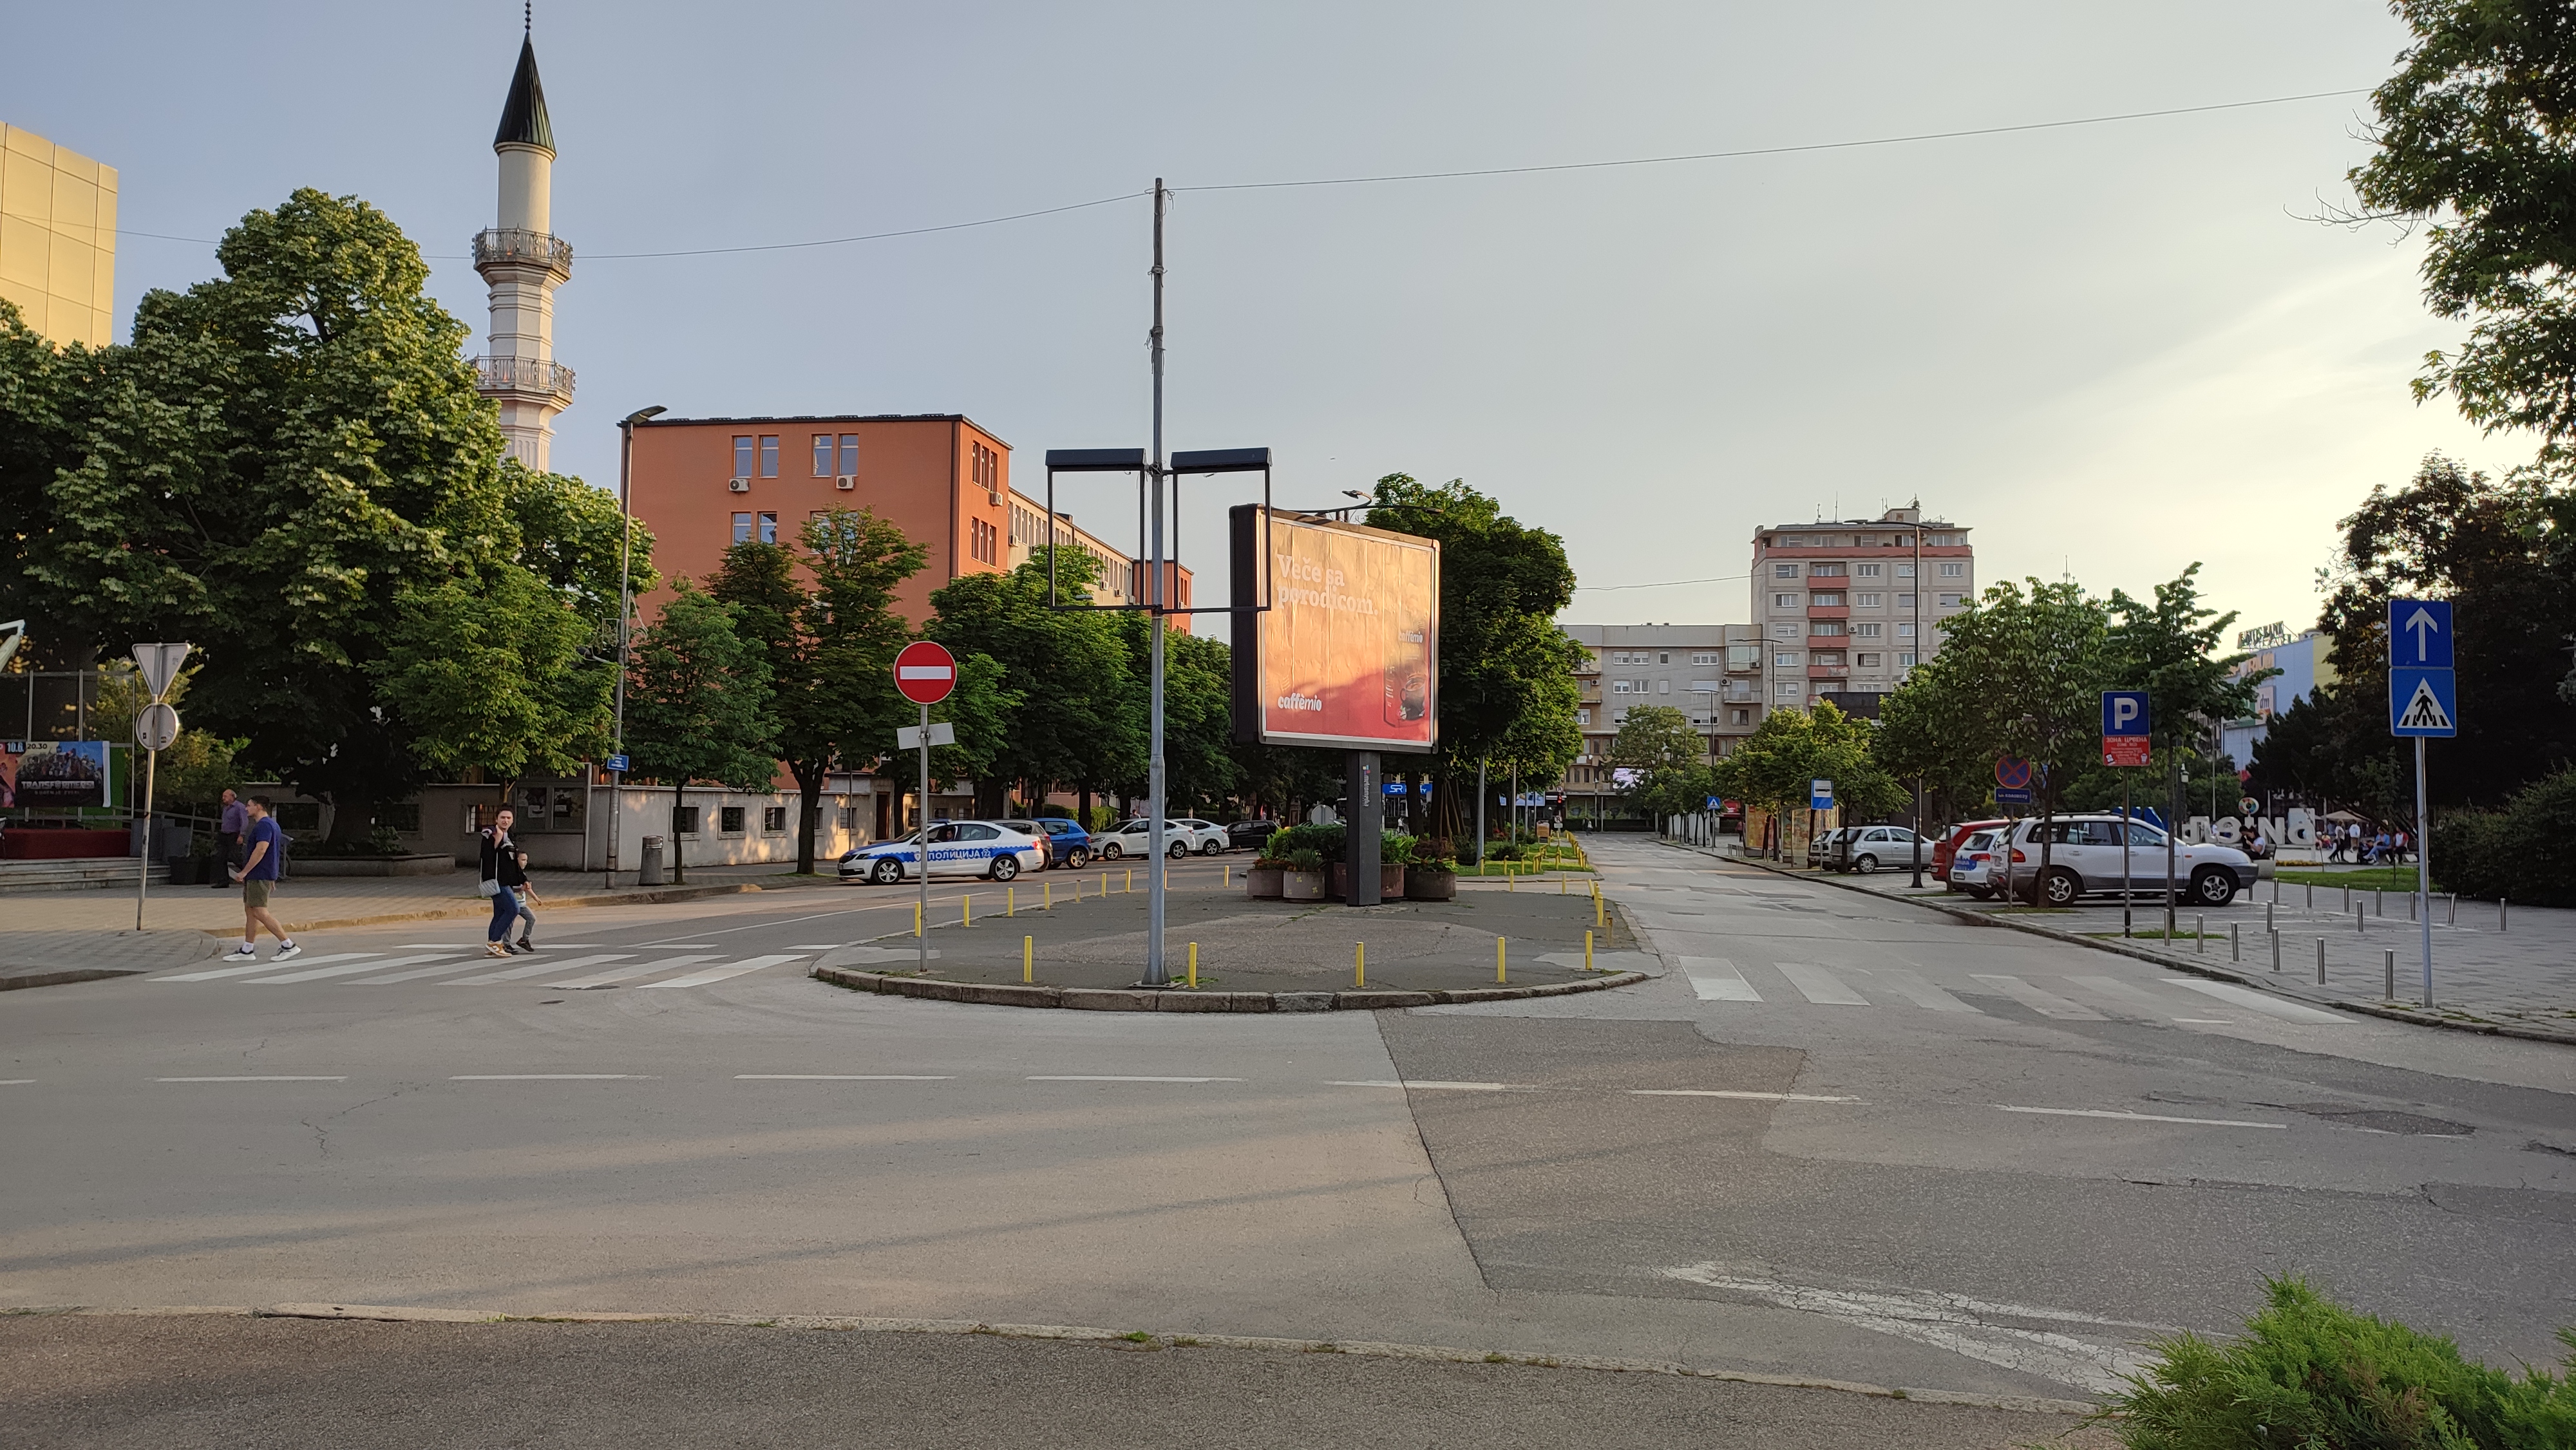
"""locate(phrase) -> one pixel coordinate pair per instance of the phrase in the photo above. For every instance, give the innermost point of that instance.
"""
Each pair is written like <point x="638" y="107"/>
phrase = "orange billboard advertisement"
<point x="1348" y="651"/>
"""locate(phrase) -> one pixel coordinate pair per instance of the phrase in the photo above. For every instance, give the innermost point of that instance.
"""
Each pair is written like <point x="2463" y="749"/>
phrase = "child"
<point x="529" y="901"/>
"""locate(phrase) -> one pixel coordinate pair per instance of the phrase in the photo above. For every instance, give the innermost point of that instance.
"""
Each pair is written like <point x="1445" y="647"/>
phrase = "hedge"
<point x="2525" y="852"/>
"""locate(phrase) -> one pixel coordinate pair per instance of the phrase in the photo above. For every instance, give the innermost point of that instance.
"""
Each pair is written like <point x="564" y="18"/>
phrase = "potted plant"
<point x="1262" y="880"/>
<point x="1432" y="879"/>
<point x="1303" y="880"/>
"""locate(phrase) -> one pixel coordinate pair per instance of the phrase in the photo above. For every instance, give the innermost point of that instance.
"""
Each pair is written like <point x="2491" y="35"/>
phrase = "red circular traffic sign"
<point x="2012" y="773"/>
<point x="925" y="672"/>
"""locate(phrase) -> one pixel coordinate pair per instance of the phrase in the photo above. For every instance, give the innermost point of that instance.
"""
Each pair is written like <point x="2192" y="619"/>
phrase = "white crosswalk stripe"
<point x="706" y="975"/>
<point x="2264" y="1003"/>
<point x="539" y="969"/>
<point x="1819" y="986"/>
<point x="1715" y="979"/>
<point x="366" y="969"/>
<point x="1918" y="989"/>
<point x="2046" y="1004"/>
<point x="615" y="975"/>
<point x="346" y="969"/>
<point x="2090" y="998"/>
<point x="212" y="973"/>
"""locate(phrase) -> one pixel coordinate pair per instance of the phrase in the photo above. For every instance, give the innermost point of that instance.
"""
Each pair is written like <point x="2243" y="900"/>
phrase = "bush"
<point x="1304" y="858"/>
<point x="2309" y="1372"/>
<point x="2526" y="851"/>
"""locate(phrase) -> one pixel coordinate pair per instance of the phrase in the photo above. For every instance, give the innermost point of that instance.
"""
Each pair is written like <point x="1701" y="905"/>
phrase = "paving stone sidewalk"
<point x="2523" y="973"/>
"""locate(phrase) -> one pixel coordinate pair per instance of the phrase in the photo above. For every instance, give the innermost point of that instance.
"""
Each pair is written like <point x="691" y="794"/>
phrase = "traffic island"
<point x="1256" y="956"/>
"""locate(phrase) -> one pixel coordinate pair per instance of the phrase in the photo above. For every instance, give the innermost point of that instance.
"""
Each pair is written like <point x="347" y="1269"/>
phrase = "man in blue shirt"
<point x="264" y="852"/>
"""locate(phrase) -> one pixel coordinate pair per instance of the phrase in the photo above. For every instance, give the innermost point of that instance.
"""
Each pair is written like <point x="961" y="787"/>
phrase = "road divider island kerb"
<point x="2175" y="963"/>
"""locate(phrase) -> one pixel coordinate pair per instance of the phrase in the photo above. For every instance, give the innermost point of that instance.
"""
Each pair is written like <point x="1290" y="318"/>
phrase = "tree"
<point x="1775" y="765"/>
<point x="197" y="767"/>
<point x="1507" y="685"/>
<point x="697" y="705"/>
<point x="1670" y="756"/>
<point x="2474" y="138"/>
<point x="1079" y="716"/>
<point x="45" y="396"/>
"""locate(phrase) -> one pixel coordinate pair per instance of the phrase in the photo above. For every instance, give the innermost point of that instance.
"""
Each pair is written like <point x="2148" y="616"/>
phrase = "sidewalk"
<point x="330" y="901"/>
<point x="2523" y="977"/>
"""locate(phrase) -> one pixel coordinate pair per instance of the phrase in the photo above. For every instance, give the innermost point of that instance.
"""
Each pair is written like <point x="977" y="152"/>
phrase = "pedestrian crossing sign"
<point x="2423" y="702"/>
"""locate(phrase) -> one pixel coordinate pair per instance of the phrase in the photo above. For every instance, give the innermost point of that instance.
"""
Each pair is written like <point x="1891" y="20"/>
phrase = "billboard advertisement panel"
<point x="51" y="773"/>
<point x="1348" y="652"/>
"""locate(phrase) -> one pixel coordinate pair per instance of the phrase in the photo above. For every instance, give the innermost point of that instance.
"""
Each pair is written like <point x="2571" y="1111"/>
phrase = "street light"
<point x="625" y="611"/>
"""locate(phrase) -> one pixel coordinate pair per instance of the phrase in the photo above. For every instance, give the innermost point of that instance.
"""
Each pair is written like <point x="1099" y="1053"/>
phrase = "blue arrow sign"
<point x="2124" y="712"/>
<point x="2419" y="633"/>
<point x="2423" y="702"/>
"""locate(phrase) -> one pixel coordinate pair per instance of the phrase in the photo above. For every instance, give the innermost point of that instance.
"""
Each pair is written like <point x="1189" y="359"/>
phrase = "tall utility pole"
<point x="625" y="614"/>
<point x="1918" y="664"/>
<point x="1155" y="976"/>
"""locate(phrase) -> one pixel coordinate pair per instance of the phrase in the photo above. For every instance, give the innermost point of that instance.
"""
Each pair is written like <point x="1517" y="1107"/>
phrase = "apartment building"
<point x="1712" y="673"/>
<point x="1846" y="608"/>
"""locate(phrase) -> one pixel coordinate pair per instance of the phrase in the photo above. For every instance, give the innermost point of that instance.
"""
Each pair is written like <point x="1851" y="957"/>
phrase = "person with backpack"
<point x="263" y="862"/>
<point x="502" y="878"/>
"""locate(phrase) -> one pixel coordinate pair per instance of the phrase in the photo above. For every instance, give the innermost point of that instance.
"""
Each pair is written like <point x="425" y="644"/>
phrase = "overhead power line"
<point x="1666" y="584"/>
<point x="1751" y="151"/>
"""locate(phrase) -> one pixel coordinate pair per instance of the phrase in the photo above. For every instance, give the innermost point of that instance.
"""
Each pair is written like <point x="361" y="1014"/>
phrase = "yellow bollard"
<point x="1048" y="887"/>
<point x="916" y="918"/>
<point x="1229" y="876"/>
<point x="1028" y="959"/>
<point x="1130" y="888"/>
<point x="1498" y="959"/>
<point x="1010" y="901"/>
<point x="1194" y="966"/>
<point x="1600" y="913"/>
<point x="970" y="909"/>
<point x="1511" y="878"/>
<point x="1560" y="883"/>
<point x="1587" y="951"/>
<point x="1104" y="883"/>
<point x="1363" y="965"/>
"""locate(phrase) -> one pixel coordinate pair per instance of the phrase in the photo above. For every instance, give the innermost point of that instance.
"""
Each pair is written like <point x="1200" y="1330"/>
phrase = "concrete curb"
<point x="477" y="909"/>
<point x="1176" y="999"/>
<point x="2215" y="974"/>
<point x="11" y="982"/>
<point x="857" y="1324"/>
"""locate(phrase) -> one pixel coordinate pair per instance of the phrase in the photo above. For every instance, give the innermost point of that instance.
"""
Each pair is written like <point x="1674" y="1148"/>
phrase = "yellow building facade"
<point x="57" y="238"/>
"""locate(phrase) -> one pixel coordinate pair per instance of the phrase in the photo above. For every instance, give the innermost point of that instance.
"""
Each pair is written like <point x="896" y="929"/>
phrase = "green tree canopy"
<point x="698" y="703"/>
<point x="1078" y="716"/>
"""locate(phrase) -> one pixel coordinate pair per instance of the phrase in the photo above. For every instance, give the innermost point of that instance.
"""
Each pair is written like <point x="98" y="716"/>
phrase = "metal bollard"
<point x="2235" y="948"/>
<point x="2276" y="951"/>
<point x="2357" y="919"/>
<point x="2379" y="907"/>
<point x="2321" y="961"/>
<point x="1010" y="901"/>
<point x="1587" y="951"/>
<point x="2501" y="918"/>
<point x="2267" y="917"/>
<point x="2347" y="896"/>
<point x="2200" y="935"/>
<point x="2410" y="906"/>
<point x="2312" y="896"/>
<point x="2453" y="918"/>
<point x="970" y="909"/>
<point x="2388" y="971"/>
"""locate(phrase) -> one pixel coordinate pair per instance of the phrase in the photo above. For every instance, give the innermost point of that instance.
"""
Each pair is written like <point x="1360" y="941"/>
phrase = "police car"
<point x="957" y="848"/>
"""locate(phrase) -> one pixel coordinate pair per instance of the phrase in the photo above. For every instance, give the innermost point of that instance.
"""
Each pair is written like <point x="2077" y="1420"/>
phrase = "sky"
<point x="2111" y="350"/>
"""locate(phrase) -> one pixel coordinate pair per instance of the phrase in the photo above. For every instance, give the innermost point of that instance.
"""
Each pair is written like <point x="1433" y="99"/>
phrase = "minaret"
<point x="524" y="262"/>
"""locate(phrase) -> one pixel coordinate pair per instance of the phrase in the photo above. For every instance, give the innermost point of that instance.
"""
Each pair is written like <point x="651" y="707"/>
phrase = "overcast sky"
<point x="2112" y="349"/>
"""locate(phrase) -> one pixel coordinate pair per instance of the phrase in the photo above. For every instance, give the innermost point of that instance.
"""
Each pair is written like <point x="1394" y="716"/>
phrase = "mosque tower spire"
<point x="524" y="262"/>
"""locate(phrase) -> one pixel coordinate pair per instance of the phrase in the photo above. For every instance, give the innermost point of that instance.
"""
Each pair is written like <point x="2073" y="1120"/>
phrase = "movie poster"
<point x="58" y="775"/>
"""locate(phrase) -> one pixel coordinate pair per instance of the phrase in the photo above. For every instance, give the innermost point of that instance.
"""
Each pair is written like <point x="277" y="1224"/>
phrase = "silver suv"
<point x="2084" y="860"/>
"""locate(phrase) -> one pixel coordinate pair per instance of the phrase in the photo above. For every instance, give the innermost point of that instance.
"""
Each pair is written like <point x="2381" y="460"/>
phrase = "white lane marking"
<point x="476" y="946"/>
<point x="552" y="1076"/>
<point x="270" y="966"/>
<point x="2208" y="1021"/>
<point x="1953" y="1322"/>
<point x="2269" y="1006"/>
<point x="1715" y="979"/>
<point x="2046" y="1004"/>
<point x="1819" y="986"/>
<point x="828" y="946"/>
<point x="15" y="1081"/>
<point x="705" y="975"/>
<point x="1446" y="1087"/>
<point x="1752" y="1096"/>
<point x="678" y="946"/>
<point x="2138" y="1117"/>
<point x="2132" y="996"/>
<point x="1078" y="1077"/>
<point x="843" y="1077"/>
<point x="1916" y="986"/>
<point x="615" y="975"/>
<point x="348" y="969"/>
<point x="443" y="968"/>
<point x="340" y="1078"/>
<point x="551" y="964"/>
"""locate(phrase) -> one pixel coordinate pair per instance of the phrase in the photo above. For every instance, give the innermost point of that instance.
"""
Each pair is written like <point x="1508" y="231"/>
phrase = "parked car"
<point x="957" y="848"/>
<point x="1820" y="851"/>
<point x="1972" y="863"/>
<point x="1134" y="838"/>
<point x="1873" y="848"/>
<point x="1949" y="840"/>
<point x="1068" y="844"/>
<point x="2084" y="860"/>
<point x="1250" y="835"/>
<point x="1206" y="837"/>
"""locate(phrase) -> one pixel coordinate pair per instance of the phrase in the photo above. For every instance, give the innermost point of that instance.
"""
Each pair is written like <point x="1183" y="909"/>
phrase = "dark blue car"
<point x="1068" y="844"/>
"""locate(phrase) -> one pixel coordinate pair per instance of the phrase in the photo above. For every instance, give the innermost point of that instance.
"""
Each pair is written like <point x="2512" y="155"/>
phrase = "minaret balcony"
<point x="511" y="247"/>
<point x="533" y="379"/>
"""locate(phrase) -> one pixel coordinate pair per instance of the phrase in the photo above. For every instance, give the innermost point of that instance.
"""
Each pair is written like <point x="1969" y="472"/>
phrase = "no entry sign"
<point x="925" y="672"/>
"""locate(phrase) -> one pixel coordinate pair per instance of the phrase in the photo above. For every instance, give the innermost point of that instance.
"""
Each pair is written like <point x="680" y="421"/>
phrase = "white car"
<point x="1207" y="837"/>
<point x="2084" y="860"/>
<point x="1135" y="838"/>
<point x="1973" y="868"/>
<point x="957" y="848"/>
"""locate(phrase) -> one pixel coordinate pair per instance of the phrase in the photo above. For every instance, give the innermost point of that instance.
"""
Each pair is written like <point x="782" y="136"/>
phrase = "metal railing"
<point x="525" y="375"/>
<point x="508" y="245"/>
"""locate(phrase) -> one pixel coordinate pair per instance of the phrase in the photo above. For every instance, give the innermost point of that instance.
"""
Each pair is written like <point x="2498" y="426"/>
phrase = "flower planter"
<point x="1390" y="882"/>
<point x="1430" y="885"/>
<point x="189" y="871"/>
<point x="1301" y="885"/>
<point x="425" y="865"/>
<point x="1263" y="883"/>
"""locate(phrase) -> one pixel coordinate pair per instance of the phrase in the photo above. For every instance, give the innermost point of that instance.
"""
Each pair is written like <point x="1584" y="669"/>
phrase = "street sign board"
<point x="908" y="737"/>
<point x="1820" y="795"/>
<point x="2419" y="633"/>
<point x="155" y="726"/>
<point x="2423" y="702"/>
<point x="925" y="672"/>
<point x="2012" y="773"/>
<point x="2006" y="795"/>
<point x="616" y="763"/>
<point x="160" y="665"/>
<point x="2125" y="750"/>
<point x="1713" y="803"/>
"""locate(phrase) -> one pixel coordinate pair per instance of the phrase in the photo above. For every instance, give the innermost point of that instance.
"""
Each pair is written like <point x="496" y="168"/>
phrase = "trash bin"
<point x="650" y="872"/>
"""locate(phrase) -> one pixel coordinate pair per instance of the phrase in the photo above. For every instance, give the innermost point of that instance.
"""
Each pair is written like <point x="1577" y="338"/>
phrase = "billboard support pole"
<point x="1480" y="814"/>
<point x="1363" y="821"/>
<point x="1155" y="976"/>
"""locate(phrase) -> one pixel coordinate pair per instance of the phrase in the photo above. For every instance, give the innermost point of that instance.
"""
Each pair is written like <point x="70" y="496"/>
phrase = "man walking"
<point x="258" y="874"/>
<point x="228" y="838"/>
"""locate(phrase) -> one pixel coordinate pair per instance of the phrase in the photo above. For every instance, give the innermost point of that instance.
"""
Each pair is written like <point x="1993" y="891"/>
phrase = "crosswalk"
<point x="2066" y="998"/>
<point x="463" y="967"/>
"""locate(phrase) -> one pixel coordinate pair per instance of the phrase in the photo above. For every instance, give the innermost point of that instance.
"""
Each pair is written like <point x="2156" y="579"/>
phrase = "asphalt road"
<point x="1840" y="1137"/>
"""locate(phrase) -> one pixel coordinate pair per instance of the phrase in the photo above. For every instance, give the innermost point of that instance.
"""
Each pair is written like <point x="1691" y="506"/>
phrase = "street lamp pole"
<point x="1155" y="975"/>
<point x="625" y="616"/>
<point x="1918" y="660"/>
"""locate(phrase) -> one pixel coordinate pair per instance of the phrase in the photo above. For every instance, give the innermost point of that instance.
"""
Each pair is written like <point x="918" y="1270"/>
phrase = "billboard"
<point x="1348" y="651"/>
<point x="57" y="774"/>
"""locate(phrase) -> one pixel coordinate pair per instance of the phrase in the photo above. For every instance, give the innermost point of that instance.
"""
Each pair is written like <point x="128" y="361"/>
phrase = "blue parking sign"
<point x="2124" y="712"/>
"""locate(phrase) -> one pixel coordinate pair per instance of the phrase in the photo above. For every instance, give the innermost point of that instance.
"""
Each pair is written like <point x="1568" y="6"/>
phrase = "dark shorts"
<point x="255" y="891"/>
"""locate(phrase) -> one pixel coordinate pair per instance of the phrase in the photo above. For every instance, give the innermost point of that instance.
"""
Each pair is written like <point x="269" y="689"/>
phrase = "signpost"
<point x="2125" y="723"/>
<point x="924" y="673"/>
<point x="156" y="727"/>
<point x="2423" y="704"/>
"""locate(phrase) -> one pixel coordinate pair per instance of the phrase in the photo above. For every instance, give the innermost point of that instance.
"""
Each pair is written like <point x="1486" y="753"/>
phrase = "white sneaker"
<point x="287" y="952"/>
<point x="240" y="954"/>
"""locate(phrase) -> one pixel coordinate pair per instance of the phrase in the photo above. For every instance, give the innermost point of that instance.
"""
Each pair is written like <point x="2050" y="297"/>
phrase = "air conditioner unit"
<point x="846" y="482"/>
<point x="738" y="485"/>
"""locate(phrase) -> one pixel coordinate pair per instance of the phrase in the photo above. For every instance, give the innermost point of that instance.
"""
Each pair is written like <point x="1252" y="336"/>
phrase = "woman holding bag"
<point x="502" y="877"/>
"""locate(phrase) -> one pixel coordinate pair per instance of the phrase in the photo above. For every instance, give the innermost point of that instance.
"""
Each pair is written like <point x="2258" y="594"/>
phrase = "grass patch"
<point x="2360" y="878"/>
<point x="2310" y="1372"/>
<point x="1132" y="1336"/>
<point x="2158" y="934"/>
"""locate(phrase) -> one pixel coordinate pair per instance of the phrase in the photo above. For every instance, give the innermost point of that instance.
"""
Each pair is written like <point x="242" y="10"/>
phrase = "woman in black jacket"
<point x="502" y="877"/>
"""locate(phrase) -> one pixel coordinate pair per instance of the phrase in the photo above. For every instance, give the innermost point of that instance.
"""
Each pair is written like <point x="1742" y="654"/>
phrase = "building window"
<point x="1868" y="661"/>
<point x="1784" y="601"/>
<point x="1664" y="657"/>
<point x="1869" y="571"/>
<point x="1949" y="601"/>
<point x="1905" y="661"/>
<point x="769" y="455"/>
<point x="1786" y="659"/>
<point x="986" y="465"/>
<point x="1789" y="689"/>
<point x="1866" y="601"/>
<point x="1739" y="717"/>
<point x="1784" y="571"/>
<point x="1831" y="571"/>
<point x="1825" y="626"/>
<point x="1618" y="687"/>
<point x="1703" y="657"/>
<point x="849" y="453"/>
<point x="1785" y="629"/>
<point x="1743" y="656"/>
<point x="1832" y="657"/>
<point x="1905" y="630"/>
<point x="1954" y="571"/>
<point x="822" y="455"/>
<point x="1905" y="601"/>
<point x="729" y="820"/>
<point x="742" y="455"/>
<point x="773" y="820"/>
<point x="684" y="821"/>
<point x="742" y="528"/>
<point x="768" y="528"/>
<point x="1829" y="601"/>
<point x="1905" y="571"/>
<point x="1866" y="631"/>
<point x="1581" y="717"/>
<point x="1663" y="687"/>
